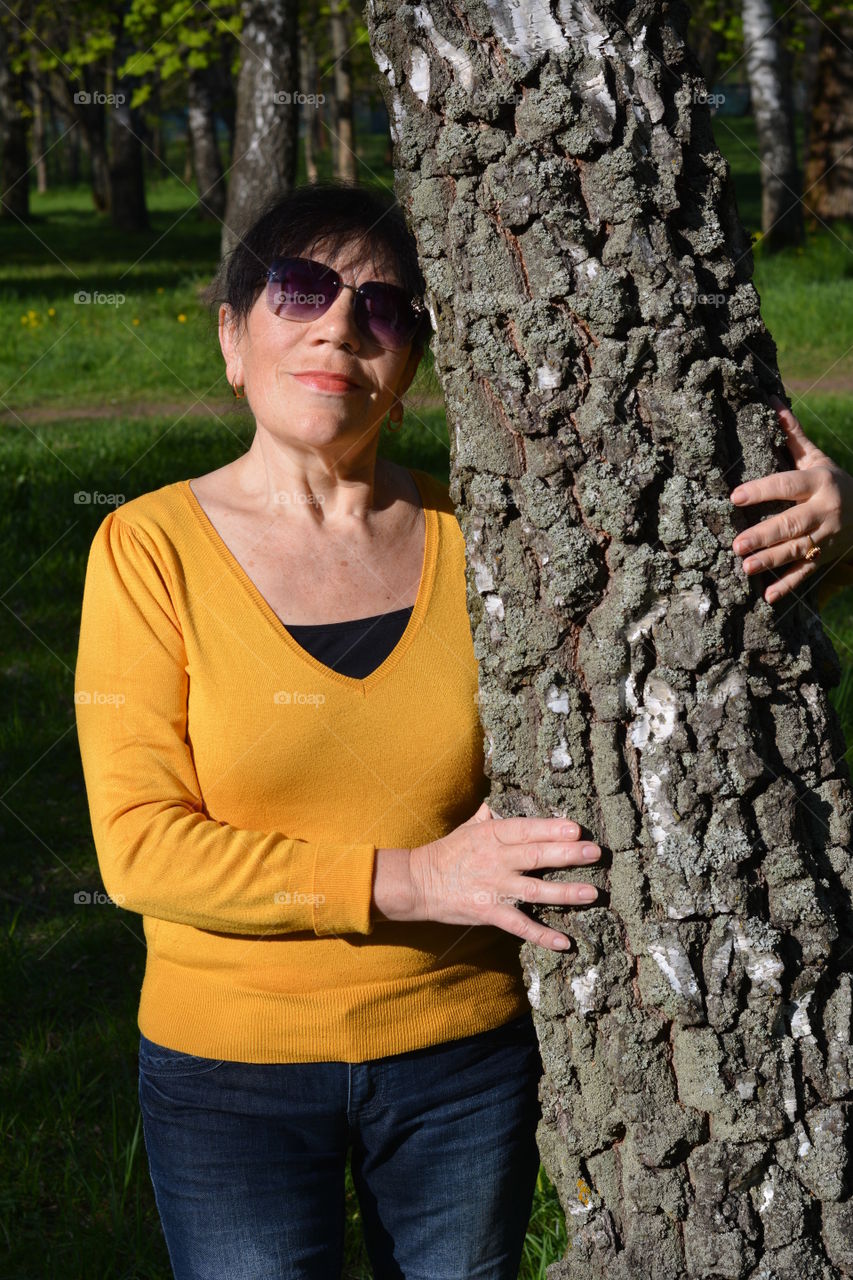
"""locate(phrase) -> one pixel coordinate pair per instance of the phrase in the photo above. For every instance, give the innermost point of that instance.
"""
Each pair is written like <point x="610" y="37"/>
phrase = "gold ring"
<point x="814" y="550"/>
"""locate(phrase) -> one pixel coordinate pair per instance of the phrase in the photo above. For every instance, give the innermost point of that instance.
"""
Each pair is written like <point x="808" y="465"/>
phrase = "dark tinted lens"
<point x="388" y="314"/>
<point x="300" y="289"/>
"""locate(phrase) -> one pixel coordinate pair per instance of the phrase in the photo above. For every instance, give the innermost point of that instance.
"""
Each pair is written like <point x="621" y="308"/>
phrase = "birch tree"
<point x="606" y="374"/>
<point x="265" y="136"/>
<point x="772" y="107"/>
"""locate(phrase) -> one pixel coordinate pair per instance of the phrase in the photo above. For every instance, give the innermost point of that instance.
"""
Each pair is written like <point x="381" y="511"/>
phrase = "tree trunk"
<point x="14" y="155"/>
<point x="308" y="83"/>
<point x="829" y="168"/>
<point x="205" y="149"/>
<point x="266" y="133"/>
<point x="40" y="144"/>
<point x="128" y="211"/>
<point x="87" y="106"/>
<point x="812" y="29"/>
<point x="772" y="107"/>
<point x="606" y="374"/>
<point x="340" y="25"/>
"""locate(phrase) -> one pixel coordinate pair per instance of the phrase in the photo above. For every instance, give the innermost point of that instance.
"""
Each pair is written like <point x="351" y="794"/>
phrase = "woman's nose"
<point x="339" y="320"/>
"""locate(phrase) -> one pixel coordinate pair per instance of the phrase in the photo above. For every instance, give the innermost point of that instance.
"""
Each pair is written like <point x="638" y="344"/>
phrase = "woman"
<point x="282" y="756"/>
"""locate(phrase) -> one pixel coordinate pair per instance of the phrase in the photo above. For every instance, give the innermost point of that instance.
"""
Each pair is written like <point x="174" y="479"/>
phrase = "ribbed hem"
<point x="343" y="888"/>
<point x="184" y="1012"/>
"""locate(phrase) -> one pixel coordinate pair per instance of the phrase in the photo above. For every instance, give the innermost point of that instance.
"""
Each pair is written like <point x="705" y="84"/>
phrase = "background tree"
<point x="341" y="29"/>
<point x="266" y="135"/>
<point x="829" y="166"/>
<point x="14" y="158"/>
<point x="772" y="105"/>
<point x="606" y="374"/>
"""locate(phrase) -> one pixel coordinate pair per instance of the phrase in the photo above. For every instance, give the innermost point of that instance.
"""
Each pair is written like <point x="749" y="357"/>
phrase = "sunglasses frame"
<point x="362" y="320"/>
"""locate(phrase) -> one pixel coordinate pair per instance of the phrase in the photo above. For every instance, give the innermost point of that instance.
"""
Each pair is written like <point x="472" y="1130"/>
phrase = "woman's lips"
<point x="326" y="382"/>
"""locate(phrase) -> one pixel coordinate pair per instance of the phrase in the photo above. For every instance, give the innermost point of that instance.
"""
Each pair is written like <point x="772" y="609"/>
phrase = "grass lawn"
<point x="122" y="397"/>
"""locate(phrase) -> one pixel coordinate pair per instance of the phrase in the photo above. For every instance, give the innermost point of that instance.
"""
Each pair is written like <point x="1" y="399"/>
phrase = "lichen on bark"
<point x="606" y="373"/>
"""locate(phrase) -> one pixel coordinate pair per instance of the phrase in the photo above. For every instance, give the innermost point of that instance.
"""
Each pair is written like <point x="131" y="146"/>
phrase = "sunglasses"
<point x="302" y="289"/>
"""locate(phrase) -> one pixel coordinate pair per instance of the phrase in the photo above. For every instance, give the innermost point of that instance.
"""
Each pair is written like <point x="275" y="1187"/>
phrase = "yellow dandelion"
<point x="182" y="318"/>
<point x="25" y="319"/>
<point x="136" y="319"/>
<point x="159" y="288"/>
<point x="51" y="311"/>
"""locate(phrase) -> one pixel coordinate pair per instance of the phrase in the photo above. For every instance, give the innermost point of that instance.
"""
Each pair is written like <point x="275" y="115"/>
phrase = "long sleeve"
<point x="158" y="852"/>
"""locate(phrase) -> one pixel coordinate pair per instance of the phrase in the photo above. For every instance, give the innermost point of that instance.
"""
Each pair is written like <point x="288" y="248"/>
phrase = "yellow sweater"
<point x="238" y="789"/>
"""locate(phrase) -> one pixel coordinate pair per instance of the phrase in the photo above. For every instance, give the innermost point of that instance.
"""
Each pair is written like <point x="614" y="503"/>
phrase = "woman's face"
<point x="272" y="357"/>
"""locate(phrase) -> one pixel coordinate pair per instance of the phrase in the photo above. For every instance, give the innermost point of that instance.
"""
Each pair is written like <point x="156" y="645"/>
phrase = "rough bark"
<point x="773" y="109"/>
<point x="14" y="154"/>
<point x="340" y="25"/>
<point x="308" y="83"/>
<point x="829" y="167"/>
<point x="266" y="130"/>
<point x="205" y="148"/>
<point x="606" y="374"/>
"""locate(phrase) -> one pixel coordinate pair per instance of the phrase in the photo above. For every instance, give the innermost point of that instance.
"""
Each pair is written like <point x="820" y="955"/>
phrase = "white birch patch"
<point x="655" y="720"/>
<point x="800" y="1025"/>
<point x="767" y="1193"/>
<point x="675" y="966"/>
<point x="419" y="76"/>
<point x="494" y="606"/>
<point x="547" y="378"/>
<point x="560" y="758"/>
<point x="762" y="967"/>
<point x="533" y="989"/>
<point x="649" y="618"/>
<point x="579" y="25"/>
<point x="530" y="30"/>
<point x="460" y="62"/>
<point x="582" y="989"/>
<point x="557" y="700"/>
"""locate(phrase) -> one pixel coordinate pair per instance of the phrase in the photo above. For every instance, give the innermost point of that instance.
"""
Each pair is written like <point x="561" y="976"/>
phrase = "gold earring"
<point x="242" y="393"/>
<point x="399" y="420"/>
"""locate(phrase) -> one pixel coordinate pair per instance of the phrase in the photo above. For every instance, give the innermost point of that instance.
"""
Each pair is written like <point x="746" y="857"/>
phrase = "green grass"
<point x="75" y="1179"/>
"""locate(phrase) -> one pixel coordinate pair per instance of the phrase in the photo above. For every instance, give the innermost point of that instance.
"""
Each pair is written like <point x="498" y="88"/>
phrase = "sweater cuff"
<point x="343" y="888"/>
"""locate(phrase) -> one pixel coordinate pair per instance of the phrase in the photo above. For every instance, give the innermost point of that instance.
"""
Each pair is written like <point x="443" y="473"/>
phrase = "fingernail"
<point x="737" y="495"/>
<point x="562" y="943"/>
<point x="589" y="851"/>
<point x="587" y="894"/>
<point x="572" y="831"/>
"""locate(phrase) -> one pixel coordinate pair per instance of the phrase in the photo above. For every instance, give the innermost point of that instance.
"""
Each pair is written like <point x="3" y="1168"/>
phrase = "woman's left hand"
<point x="823" y="492"/>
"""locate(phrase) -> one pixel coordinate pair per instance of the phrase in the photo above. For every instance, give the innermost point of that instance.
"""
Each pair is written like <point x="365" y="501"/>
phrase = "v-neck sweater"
<point x="238" y="789"/>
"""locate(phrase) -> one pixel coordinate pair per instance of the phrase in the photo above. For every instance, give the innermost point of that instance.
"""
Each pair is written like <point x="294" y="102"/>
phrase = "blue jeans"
<point x="248" y="1160"/>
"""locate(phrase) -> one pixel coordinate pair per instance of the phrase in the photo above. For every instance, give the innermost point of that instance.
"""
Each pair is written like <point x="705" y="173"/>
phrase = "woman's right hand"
<point x="474" y="873"/>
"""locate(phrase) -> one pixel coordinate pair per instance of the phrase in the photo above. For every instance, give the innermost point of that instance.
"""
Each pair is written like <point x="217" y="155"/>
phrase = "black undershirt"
<point x="354" y="647"/>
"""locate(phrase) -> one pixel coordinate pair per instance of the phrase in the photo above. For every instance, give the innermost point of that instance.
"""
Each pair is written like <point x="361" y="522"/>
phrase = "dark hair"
<point x="335" y="213"/>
